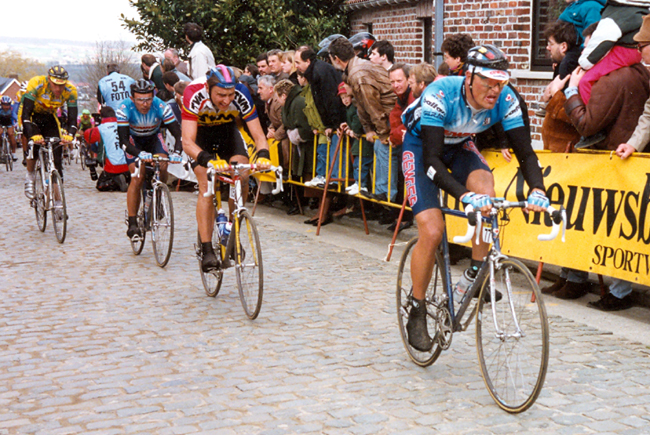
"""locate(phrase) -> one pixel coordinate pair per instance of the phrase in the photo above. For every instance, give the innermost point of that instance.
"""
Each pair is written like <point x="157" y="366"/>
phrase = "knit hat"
<point x="342" y="89"/>
<point x="644" y="32"/>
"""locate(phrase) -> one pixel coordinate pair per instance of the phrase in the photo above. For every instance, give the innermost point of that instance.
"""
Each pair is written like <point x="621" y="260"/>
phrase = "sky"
<point x="89" y="20"/>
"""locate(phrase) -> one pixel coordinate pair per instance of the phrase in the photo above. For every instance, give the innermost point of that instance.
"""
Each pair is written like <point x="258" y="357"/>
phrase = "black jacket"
<point x="324" y="80"/>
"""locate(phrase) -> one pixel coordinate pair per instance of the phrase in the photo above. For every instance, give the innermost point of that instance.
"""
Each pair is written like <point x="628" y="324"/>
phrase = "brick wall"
<point x="506" y="24"/>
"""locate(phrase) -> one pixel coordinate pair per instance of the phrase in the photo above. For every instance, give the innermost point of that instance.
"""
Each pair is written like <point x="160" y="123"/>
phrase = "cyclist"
<point x="439" y="153"/>
<point x="7" y="121"/>
<point x="43" y="97"/>
<point x="114" y="88"/>
<point x="139" y="120"/>
<point x="85" y="121"/>
<point x="211" y="107"/>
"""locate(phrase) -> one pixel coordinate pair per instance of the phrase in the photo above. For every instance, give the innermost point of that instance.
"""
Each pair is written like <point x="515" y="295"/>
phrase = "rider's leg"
<point x="481" y="181"/>
<point x="133" y="193"/>
<point x="205" y="221"/>
<point x="430" y="229"/>
<point x="164" y="175"/>
<point x="12" y="139"/>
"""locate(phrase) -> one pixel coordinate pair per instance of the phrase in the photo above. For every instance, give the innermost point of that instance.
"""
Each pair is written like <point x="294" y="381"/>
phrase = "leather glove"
<point x="204" y="158"/>
<point x="175" y="158"/>
<point x="219" y="165"/>
<point x="66" y="137"/>
<point x="539" y="199"/>
<point x="37" y="138"/>
<point x="145" y="156"/>
<point x="476" y="200"/>
<point x="263" y="163"/>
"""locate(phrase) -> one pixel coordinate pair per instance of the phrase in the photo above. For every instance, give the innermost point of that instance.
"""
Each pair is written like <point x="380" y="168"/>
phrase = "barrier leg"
<point x="399" y="221"/>
<point x="603" y="287"/>
<point x="538" y="278"/>
<point x="363" y="216"/>
<point x="327" y="183"/>
<point x="257" y="196"/>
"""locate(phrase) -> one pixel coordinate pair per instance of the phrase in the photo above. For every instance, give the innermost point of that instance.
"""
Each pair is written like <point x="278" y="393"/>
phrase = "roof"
<point x="5" y="83"/>
<point x="366" y="4"/>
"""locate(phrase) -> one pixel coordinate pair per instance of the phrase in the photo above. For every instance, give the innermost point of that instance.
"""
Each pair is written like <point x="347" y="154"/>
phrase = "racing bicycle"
<point x="5" y="151"/>
<point x="49" y="194"/>
<point x="155" y="213"/>
<point x="242" y="250"/>
<point x="512" y="334"/>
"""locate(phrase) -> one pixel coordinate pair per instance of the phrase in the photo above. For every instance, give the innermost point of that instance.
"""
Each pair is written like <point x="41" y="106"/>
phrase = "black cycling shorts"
<point x="224" y="140"/>
<point x="47" y="125"/>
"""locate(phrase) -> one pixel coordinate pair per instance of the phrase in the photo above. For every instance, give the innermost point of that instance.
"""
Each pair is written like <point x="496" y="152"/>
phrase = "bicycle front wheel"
<point x="9" y="161"/>
<point x="59" y="211"/>
<point x="512" y="337"/>
<point x="162" y="225"/>
<point x="435" y="296"/>
<point x="137" y="244"/>
<point x="39" y="202"/>
<point x="248" y="264"/>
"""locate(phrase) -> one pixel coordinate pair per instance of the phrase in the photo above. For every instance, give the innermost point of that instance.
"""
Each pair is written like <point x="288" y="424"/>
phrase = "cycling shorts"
<point x="6" y="121"/>
<point x="225" y="140"/>
<point x="462" y="159"/>
<point x="153" y="144"/>
<point x="47" y="125"/>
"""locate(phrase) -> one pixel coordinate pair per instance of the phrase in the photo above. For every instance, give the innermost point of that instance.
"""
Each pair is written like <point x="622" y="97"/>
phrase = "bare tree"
<point x="109" y="52"/>
<point x="12" y="62"/>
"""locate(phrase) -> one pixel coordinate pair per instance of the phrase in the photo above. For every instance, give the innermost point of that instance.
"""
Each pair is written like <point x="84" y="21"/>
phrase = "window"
<point x="368" y="27"/>
<point x="544" y="12"/>
<point x="427" y="38"/>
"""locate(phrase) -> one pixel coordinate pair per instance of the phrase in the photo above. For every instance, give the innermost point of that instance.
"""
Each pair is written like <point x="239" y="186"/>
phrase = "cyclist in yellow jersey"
<point x="43" y="96"/>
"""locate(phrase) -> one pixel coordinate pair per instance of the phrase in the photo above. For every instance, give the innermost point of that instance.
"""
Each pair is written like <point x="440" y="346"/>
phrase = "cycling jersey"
<point x="198" y="107"/>
<point x="85" y="123"/>
<point x="39" y="92"/>
<point x="443" y="104"/>
<point x="144" y="125"/>
<point x="113" y="89"/>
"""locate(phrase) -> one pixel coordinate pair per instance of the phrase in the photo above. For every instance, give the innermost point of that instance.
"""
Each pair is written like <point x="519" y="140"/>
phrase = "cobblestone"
<point x="98" y="341"/>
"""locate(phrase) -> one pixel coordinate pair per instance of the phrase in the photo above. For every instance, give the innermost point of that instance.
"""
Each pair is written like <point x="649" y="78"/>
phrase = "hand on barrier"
<point x="37" y="138"/>
<point x="537" y="201"/>
<point x="219" y="165"/>
<point x="175" y="158"/>
<point x="145" y="156"/>
<point x="477" y="200"/>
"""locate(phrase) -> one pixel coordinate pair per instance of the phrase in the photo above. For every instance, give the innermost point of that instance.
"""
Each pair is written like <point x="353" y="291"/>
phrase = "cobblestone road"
<point x="97" y="341"/>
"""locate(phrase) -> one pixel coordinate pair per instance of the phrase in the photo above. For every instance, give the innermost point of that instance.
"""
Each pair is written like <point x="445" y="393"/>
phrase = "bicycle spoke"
<point x="248" y="265"/>
<point x="162" y="225"/>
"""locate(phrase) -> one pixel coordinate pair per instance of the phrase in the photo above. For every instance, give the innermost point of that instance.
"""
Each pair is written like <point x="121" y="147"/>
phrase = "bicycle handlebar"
<point x="154" y="158"/>
<point x="243" y="167"/>
<point x="558" y="218"/>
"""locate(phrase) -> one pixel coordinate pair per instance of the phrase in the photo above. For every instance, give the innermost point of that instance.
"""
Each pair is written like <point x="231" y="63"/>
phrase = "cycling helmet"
<point x="225" y="76"/>
<point x="86" y="112"/>
<point x="488" y="61"/>
<point x="5" y="99"/>
<point x="325" y="44"/>
<point x="141" y="86"/>
<point x="362" y="42"/>
<point x="58" y="75"/>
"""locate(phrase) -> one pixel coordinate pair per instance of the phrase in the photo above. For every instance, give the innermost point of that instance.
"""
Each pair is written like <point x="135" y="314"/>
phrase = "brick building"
<point x="515" y="26"/>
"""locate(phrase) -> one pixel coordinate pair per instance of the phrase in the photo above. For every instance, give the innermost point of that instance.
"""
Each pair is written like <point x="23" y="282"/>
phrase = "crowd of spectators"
<point x="352" y="94"/>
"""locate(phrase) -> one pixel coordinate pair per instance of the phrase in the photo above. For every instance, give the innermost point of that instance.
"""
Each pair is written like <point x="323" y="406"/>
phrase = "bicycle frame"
<point x="45" y="165"/>
<point x="149" y="184"/>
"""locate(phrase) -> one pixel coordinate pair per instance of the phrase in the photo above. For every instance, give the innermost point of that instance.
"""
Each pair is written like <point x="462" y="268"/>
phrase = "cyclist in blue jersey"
<point x="139" y="120"/>
<point x="8" y="118"/>
<point x="439" y="153"/>
<point x="114" y="87"/>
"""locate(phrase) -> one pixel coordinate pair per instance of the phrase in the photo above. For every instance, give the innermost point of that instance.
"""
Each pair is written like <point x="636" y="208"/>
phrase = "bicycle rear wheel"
<point x="59" y="211"/>
<point x="39" y="202"/>
<point x="138" y="244"/>
<point x="162" y="225"/>
<point x="9" y="161"/>
<point x="513" y="362"/>
<point x="248" y="264"/>
<point x="211" y="280"/>
<point x="436" y="298"/>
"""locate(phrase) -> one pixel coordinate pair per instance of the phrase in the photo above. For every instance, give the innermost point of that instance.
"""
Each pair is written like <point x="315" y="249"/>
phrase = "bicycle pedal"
<point x="136" y="239"/>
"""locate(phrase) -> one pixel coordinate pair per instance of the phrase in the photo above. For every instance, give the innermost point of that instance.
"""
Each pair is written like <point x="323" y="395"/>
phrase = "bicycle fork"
<point x="499" y="333"/>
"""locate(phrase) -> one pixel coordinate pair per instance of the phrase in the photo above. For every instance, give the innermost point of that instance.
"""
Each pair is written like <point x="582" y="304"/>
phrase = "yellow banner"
<point x="607" y="201"/>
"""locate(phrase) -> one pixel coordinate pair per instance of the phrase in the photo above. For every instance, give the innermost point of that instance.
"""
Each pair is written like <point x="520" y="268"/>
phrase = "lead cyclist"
<point x="440" y="127"/>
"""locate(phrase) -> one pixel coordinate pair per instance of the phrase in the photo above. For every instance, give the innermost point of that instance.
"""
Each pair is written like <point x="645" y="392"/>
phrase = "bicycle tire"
<point x="138" y="245"/>
<point x="162" y="224"/>
<point x="435" y="295"/>
<point x="59" y="210"/>
<point x="249" y="266"/>
<point x="9" y="161"/>
<point x="513" y="368"/>
<point x="39" y="202"/>
<point x="211" y="280"/>
<point x="82" y="153"/>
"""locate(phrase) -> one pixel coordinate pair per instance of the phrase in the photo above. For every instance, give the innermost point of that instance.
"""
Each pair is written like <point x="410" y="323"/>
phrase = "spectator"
<point x="581" y="14"/>
<point x="443" y="70"/>
<point x="172" y="54"/>
<point x="114" y="87"/>
<point x="298" y="129"/>
<point x="360" y="149"/>
<point x="168" y="66"/>
<point x="274" y="59"/>
<point x="558" y="133"/>
<point x="262" y="64"/>
<point x="289" y="66"/>
<point x="454" y="49"/>
<point x="250" y="79"/>
<point x="152" y="70"/>
<point x="273" y="106"/>
<point x="201" y="57"/>
<point x="382" y="53"/>
<point x="323" y="81"/>
<point x="375" y="99"/>
<point x="617" y="103"/>
<point x="170" y="79"/>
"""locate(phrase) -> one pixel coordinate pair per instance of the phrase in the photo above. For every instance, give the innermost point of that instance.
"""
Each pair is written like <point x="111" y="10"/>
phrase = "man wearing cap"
<point x="43" y="97"/>
<point x="439" y="153"/>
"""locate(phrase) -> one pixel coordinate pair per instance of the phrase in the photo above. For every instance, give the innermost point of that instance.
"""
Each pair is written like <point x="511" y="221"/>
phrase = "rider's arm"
<point x="28" y="108"/>
<point x="262" y="146"/>
<point x="175" y="129"/>
<point x="124" y="135"/>
<point x="433" y="139"/>
<point x="519" y="139"/>
<point x="100" y="97"/>
<point x="72" y="119"/>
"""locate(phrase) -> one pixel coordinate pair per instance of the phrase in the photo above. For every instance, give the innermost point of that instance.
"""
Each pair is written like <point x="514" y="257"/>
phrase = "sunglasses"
<point x="499" y="85"/>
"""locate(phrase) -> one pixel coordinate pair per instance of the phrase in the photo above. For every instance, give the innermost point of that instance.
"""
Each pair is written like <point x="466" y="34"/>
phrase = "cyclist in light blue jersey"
<point x="439" y="153"/>
<point x="114" y="88"/>
<point x="139" y="120"/>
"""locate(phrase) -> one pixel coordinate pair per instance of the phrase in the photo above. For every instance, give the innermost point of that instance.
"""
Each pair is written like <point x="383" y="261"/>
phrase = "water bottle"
<point x="147" y="201"/>
<point x="226" y="233"/>
<point x="222" y="219"/>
